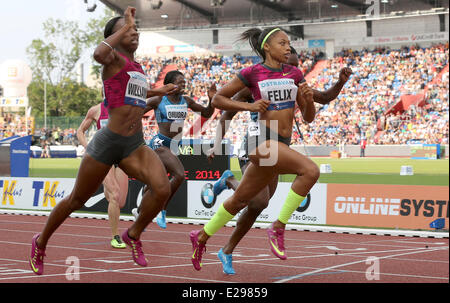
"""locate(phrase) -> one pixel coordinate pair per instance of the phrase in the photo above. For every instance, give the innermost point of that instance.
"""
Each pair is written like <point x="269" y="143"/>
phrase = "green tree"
<point x="76" y="98"/>
<point x="54" y="60"/>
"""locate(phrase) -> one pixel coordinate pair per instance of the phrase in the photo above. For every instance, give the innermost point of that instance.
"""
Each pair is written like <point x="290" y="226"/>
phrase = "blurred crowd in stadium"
<point x="380" y="78"/>
<point x="12" y="124"/>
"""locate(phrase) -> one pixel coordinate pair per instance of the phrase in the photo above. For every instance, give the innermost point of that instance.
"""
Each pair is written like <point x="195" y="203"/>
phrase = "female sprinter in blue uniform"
<point x="170" y="113"/>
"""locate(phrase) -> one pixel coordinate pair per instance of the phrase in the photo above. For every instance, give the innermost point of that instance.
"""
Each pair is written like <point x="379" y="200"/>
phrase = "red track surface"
<point x="312" y="256"/>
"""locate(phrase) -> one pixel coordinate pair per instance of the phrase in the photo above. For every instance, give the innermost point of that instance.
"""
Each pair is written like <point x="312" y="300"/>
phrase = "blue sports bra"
<point x="170" y="112"/>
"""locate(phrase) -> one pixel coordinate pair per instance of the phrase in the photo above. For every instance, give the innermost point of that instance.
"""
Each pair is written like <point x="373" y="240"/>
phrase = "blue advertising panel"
<point x="20" y="156"/>
<point x="317" y="43"/>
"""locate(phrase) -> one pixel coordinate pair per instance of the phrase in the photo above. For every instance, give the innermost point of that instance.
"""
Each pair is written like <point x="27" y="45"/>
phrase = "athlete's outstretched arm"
<point x="105" y="53"/>
<point x="221" y="130"/>
<point x="91" y="116"/>
<point x="330" y="94"/>
<point x="152" y="103"/>
<point x="244" y="95"/>
<point x="167" y="89"/>
<point x="305" y="102"/>
<point x="222" y="99"/>
<point x="205" y="111"/>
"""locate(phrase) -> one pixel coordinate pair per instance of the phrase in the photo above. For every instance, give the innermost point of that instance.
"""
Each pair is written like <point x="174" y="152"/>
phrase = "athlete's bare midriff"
<point x="284" y="118"/>
<point x="125" y="120"/>
<point x="170" y="129"/>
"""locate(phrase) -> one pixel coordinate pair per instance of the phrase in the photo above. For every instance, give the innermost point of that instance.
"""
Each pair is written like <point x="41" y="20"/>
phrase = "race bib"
<point x="136" y="92"/>
<point x="282" y="93"/>
<point x="176" y="112"/>
<point x="253" y="129"/>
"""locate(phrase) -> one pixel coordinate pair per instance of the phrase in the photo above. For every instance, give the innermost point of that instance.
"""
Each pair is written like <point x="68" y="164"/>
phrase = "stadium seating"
<point x="381" y="77"/>
<point x="393" y="96"/>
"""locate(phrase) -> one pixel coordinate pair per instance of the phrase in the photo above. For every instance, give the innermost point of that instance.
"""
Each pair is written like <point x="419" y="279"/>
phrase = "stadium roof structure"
<point x="181" y="14"/>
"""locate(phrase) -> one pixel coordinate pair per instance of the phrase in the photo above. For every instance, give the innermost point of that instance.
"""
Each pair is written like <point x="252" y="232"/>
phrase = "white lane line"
<point x="352" y="263"/>
<point x="131" y="271"/>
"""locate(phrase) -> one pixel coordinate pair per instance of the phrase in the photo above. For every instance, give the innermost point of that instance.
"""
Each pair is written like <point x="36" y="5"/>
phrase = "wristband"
<point x="107" y="44"/>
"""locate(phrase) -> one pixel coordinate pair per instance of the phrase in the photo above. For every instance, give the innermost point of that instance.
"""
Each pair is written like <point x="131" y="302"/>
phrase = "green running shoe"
<point x="116" y="242"/>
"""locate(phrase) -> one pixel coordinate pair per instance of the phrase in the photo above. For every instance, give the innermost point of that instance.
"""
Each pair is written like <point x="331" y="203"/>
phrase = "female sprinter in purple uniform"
<point x="121" y="142"/>
<point x="276" y="87"/>
<point x="227" y="180"/>
<point x="115" y="184"/>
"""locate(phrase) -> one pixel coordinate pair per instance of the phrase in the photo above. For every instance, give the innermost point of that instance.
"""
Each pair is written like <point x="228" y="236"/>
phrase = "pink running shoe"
<point x="37" y="257"/>
<point x="197" y="250"/>
<point x="136" y="247"/>
<point x="276" y="241"/>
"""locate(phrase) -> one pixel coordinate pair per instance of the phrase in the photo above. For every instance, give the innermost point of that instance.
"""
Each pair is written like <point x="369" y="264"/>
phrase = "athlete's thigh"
<point x="273" y="186"/>
<point x="254" y="180"/>
<point x="264" y="195"/>
<point x="90" y="176"/>
<point x="290" y="161"/>
<point x="122" y="185"/>
<point x="171" y="162"/>
<point x="145" y="165"/>
<point x="244" y="167"/>
<point x="110" y="183"/>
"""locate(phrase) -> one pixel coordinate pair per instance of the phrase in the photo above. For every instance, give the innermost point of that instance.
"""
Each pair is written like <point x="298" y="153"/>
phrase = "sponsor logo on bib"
<point x="176" y="112"/>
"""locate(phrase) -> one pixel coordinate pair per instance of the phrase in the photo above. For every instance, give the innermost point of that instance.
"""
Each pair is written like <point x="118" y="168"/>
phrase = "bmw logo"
<point x="305" y="204"/>
<point x="207" y="195"/>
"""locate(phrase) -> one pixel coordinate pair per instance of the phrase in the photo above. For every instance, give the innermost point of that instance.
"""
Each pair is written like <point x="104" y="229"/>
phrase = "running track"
<point x="312" y="256"/>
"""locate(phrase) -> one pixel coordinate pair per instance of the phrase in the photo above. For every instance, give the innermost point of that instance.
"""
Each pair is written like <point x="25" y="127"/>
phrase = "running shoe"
<point x="161" y="221"/>
<point x="221" y="184"/>
<point x="37" y="257"/>
<point x="276" y="241"/>
<point x="227" y="262"/>
<point x="116" y="242"/>
<point x="136" y="247"/>
<point x="197" y="250"/>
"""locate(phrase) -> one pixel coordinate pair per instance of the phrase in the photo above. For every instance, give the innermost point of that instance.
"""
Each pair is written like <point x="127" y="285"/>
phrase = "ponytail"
<point x="257" y="38"/>
<point x="252" y="35"/>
